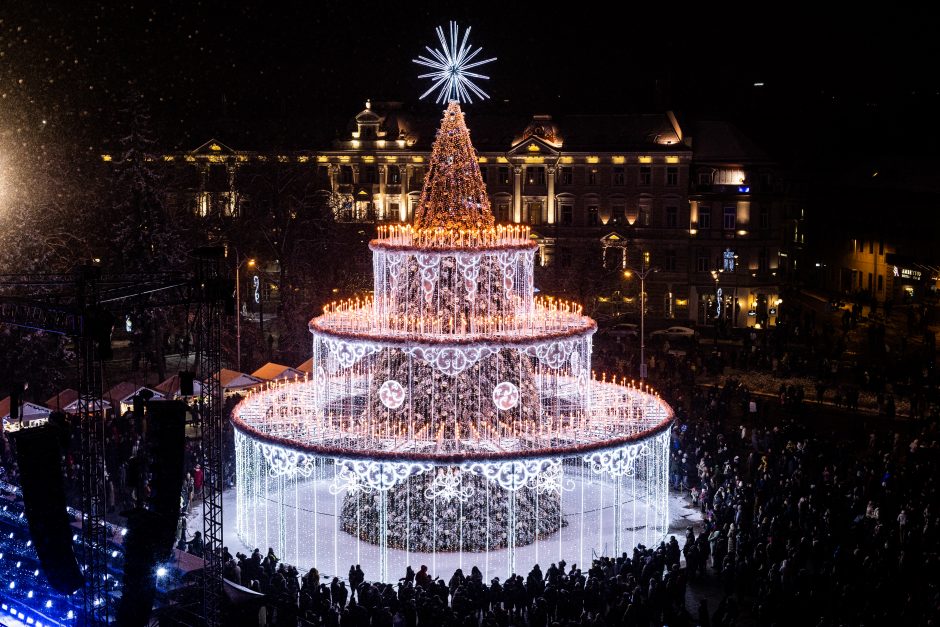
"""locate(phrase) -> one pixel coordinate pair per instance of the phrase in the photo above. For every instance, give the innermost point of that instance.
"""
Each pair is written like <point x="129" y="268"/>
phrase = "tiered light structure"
<point x="452" y="419"/>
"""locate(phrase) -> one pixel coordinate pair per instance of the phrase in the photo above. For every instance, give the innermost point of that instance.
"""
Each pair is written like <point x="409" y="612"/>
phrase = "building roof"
<point x="498" y="132"/>
<point x="717" y="140"/>
<point x="120" y="392"/>
<point x="29" y="411"/>
<point x="171" y="387"/>
<point x="276" y="372"/>
<point x="307" y="366"/>
<point x="232" y="380"/>
<point x="125" y="391"/>
<point x="621" y="131"/>
<point x="62" y="400"/>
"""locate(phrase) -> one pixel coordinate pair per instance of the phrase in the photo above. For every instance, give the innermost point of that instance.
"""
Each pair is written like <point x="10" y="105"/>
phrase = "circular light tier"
<point x="547" y="321"/>
<point x="456" y="281"/>
<point x="319" y="490"/>
<point x="288" y="419"/>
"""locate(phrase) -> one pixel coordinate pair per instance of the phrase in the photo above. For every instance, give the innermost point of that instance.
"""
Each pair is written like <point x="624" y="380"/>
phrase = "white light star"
<point x="451" y="64"/>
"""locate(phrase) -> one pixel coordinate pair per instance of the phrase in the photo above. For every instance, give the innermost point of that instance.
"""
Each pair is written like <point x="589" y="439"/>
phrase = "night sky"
<point x="264" y="75"/>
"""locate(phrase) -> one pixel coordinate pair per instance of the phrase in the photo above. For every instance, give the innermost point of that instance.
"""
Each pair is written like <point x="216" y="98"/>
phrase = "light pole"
<point x="642" y="273"/>
<point x="238" y="309"/>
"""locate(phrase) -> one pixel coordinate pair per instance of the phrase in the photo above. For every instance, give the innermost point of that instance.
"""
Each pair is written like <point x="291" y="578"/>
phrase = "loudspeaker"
<point x="166" y="421"/>
<point x="187" y="379"/>
<point x="151" y="533"/>
<point x="141" y="549"/>
<point x="40" y="461"/>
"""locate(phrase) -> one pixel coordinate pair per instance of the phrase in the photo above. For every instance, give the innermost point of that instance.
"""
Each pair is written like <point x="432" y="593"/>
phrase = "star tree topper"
<point x="451" y="64"/>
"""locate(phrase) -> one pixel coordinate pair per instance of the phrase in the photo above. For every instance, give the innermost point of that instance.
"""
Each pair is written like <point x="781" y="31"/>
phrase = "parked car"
<point x="674" y="333"/>
<point x="624" y="329"/>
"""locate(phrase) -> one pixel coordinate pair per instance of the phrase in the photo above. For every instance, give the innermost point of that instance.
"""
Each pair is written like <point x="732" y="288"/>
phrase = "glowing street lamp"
<point x="643" y="272"/>
<point x="238" y="310"/>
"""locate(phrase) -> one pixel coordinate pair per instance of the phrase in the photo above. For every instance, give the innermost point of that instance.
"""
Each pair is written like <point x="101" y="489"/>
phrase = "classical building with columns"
<point x="603" y="194"/>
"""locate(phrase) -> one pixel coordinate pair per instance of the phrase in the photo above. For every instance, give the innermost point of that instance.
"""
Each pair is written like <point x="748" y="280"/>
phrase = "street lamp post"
<point x="642" y="273"/>
<point x="238" y="310"/>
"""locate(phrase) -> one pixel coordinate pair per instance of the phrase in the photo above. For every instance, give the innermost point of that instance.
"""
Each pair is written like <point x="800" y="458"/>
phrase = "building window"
<point x="731" y="213"/>
<point x="762" y="261"/>
<point x="618" y="177"/>
<point x="502" y="212"/>
<point x="871" y="247"/>
<point x="393" y="210"/>
<point x="669" y="261"/>
<point x="644" y="215"/>
<point x="646" y="175"/>
<point x="592" y="176"/>
<point x="345" y="174"/>
<point x="701" y="263"/>
<point x="881" y="247"/>
<point x="504" y="176"/>
<point x="881" y="282"/>
<point x="534" y="209"/>
<point x="705" y="178"/>
<point x="567" y="214"/>
<point x="764" y="217"/>
<point x="535" y="176"/>
<point x="592" y="215"/>
<point x="672" y="217"/>
<point x="672" y="176"/>
<point x="617" y="214"/>
<point x="368" y="175"/>
<point x="566" y="176"/>
<point x="394" y="175"/>
<point x="704" y="217"/>
<point x="484" y="173"/>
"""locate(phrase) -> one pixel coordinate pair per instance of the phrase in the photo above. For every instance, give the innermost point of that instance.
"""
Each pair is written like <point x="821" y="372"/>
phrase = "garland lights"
<point x="454" y="414"/>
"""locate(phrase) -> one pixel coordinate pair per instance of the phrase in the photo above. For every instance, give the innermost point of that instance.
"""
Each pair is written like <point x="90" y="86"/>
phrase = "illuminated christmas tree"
<point x="454" y="195"/>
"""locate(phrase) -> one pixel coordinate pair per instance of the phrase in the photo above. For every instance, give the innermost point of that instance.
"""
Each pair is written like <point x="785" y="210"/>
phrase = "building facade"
<point x="603" y="195"/>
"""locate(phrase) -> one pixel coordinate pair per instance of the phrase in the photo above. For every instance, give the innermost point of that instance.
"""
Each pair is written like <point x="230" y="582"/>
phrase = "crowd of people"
<point x="803" y="525"/>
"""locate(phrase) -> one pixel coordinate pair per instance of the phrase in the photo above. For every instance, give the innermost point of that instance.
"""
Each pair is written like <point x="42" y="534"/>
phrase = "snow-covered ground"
<point x="336" y="550"/>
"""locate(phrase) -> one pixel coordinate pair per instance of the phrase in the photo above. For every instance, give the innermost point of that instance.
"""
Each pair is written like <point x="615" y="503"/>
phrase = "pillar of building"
<point x="517" y="194"/>
<point x="550" y="201"/>
<point x="403" y="208"/>
<point x="334" y="171"/>
<point x="383" y="207"/>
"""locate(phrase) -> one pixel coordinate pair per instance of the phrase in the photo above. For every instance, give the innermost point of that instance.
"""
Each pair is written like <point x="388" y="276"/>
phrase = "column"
<point x="334" y="171"/>
<point x="404" y="211"/>
<point x="550" y="201"/>
<point x="383" y="207"/>
<point x="517" y="194"/>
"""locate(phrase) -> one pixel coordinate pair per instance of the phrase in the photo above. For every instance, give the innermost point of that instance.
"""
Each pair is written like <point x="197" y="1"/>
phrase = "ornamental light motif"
<point x="451" y="65"/>
<point x="453" y="411"/>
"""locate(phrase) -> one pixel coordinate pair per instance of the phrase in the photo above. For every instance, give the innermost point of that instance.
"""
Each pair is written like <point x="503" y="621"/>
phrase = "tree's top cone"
<point x="454" y="195"/>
